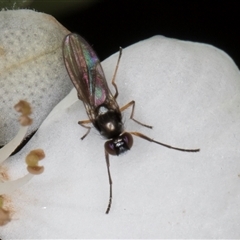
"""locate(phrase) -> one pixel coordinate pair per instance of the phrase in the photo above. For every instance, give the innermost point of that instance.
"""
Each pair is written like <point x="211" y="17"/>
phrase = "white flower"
<point x="31" y="67"/>
<point x="190" y="93"/>
<point x="32" y="159"/>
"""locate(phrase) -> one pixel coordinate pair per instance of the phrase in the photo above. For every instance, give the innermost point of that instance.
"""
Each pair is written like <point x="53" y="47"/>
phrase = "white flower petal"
<point x="190" y="93"/>
<point x="31" y="67"/>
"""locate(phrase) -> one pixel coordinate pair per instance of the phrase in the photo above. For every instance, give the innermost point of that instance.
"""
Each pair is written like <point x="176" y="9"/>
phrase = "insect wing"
<point x="85" y="71"/>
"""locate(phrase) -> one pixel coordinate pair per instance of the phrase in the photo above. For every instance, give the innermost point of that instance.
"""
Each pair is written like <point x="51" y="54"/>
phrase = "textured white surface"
<point x="190" y="93"/>
<point x="31" y="67"/>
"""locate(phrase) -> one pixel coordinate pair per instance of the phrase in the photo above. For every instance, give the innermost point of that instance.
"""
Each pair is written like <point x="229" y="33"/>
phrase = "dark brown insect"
<point x="87" y="76"/>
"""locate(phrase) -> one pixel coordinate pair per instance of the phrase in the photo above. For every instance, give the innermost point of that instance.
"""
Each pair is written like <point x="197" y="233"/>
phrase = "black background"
<point x="113" y="23"/>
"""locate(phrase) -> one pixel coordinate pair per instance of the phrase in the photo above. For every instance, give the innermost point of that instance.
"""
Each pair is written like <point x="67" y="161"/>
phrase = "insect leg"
<point x="82" y="123"/>
<point x="138" y="134"/>
<point x="110" y="182"/>
<point x="132" y="103"/>
<point x="115" y="73"/>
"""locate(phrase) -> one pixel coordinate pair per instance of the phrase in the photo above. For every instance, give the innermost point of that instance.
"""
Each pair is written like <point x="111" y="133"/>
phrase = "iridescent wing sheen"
<point x="86" y="73"/>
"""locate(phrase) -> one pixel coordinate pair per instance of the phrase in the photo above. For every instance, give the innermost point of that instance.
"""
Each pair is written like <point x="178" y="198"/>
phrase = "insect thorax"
<point x="108" y="122"/>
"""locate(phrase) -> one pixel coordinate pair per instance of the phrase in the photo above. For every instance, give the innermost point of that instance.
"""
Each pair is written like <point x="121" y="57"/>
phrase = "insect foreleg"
<point x="110" y="182"/>
<point x="82" y="123"/>
<point x="132" y="104"/>
<point x="138" y="134"/>
<point x="115" y="73"/>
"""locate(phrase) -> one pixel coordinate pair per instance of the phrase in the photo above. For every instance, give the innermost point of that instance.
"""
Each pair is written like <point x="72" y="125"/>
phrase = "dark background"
<point x="108" y="24"/>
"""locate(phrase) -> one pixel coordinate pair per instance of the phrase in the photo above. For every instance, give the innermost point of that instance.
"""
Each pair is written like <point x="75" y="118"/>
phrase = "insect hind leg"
<point x="82" y="123"/>
<point x="132" y="104"/>
<point x="115" y="73"/>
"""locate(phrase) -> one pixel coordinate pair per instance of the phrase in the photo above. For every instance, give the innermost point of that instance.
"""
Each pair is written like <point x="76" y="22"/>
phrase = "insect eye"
<point x="119" y="145"/>
<point x="110" y="147"/>
<point x="128" y="139"/>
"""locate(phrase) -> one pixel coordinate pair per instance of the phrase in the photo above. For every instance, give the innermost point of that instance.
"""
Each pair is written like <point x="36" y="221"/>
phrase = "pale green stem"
<point x="10" y="186"/>
<point x="6" y="151"/>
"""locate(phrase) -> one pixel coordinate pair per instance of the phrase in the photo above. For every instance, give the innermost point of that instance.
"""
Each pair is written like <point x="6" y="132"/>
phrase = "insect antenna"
<point x="138" y="134"/>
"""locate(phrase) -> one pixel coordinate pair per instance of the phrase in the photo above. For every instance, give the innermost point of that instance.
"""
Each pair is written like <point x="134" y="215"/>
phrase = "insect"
<point x="86" y="74"/>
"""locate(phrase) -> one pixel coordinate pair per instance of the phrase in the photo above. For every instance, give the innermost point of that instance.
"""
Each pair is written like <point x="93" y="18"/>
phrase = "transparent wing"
<point x="86" y="73"/>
